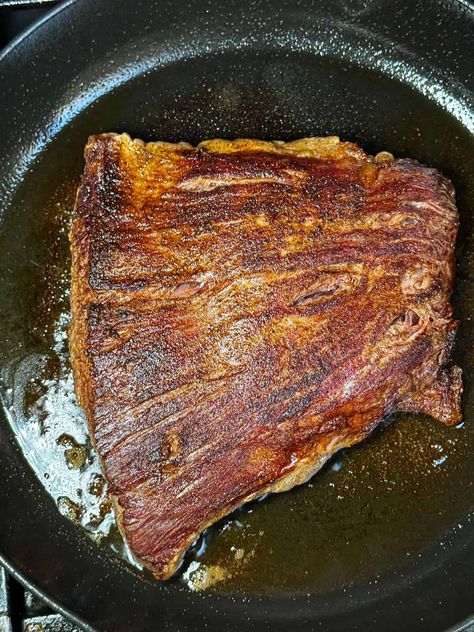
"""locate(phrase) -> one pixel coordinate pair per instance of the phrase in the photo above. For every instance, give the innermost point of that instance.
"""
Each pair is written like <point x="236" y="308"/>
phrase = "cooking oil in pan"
<point x="368" y="510"/>
<point x="49" y="425"/>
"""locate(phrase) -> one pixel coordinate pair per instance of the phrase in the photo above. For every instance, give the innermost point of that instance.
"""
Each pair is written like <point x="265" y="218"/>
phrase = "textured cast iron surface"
<point x="388" y="75"/>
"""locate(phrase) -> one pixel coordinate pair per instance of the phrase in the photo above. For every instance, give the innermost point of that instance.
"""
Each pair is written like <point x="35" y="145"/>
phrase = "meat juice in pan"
<point x="362" y="514"/>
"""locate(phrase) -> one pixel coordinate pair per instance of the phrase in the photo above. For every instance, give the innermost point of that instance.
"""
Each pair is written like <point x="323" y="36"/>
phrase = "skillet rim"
<point x="19" y="577"/>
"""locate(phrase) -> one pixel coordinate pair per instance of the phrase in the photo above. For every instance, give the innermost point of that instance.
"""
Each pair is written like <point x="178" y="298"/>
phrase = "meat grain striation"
<point x="244" y="309"/>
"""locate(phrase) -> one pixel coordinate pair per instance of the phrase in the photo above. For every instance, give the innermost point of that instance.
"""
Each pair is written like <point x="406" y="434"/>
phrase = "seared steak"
<point x="242" y="310"/>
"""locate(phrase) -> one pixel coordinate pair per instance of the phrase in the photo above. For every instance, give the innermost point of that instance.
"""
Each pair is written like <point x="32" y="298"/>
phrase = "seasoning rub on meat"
<point x="244" y="309"/>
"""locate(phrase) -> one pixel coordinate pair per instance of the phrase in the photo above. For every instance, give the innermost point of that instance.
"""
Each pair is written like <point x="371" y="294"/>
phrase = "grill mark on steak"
<point x="244" y="309"/>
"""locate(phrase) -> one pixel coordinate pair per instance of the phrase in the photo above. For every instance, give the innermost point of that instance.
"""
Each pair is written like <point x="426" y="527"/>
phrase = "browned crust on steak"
<point x="242" y="310"/>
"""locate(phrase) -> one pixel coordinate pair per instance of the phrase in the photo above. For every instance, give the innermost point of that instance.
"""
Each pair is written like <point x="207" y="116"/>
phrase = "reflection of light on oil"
<point x="440" y="461"/>
<point x="440" y="457"/>
<point x="201" y="549"/>
<point x="51" y="430"/>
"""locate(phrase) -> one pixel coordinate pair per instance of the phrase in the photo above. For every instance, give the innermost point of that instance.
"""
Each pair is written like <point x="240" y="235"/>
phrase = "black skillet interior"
<point x="380" y="539"/>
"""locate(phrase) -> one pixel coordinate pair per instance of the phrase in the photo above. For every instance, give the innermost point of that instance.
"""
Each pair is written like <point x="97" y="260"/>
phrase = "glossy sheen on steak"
<point x="242" y="310"/>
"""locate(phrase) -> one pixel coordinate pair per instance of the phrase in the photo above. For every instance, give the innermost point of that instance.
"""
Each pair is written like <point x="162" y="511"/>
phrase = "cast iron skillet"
<point x="388" y="74"/>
